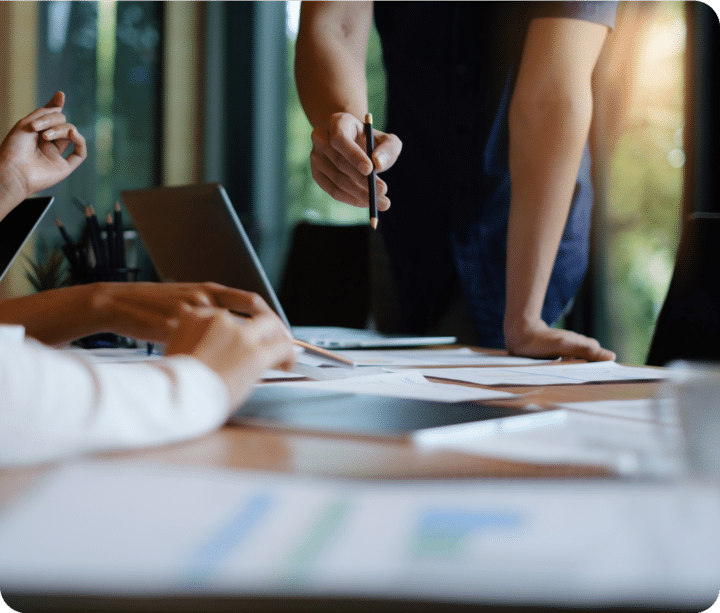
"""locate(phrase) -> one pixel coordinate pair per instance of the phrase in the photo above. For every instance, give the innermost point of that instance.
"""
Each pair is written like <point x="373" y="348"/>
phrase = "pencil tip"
<point x="374" y="222"/>
<point x="58" y="222"/>
<point x="117" y="206"/>
<point x="368" y="118"/>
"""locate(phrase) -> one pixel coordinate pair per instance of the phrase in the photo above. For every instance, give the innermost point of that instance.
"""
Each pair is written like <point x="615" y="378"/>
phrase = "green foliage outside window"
<point x="306" y="200"/>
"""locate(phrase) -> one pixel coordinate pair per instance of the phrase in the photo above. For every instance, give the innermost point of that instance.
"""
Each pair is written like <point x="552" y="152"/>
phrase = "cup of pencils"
<point x="99" y="255"/>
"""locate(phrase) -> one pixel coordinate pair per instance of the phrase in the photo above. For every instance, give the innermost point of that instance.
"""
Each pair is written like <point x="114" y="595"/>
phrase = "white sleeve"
<point x="53" y="405"/>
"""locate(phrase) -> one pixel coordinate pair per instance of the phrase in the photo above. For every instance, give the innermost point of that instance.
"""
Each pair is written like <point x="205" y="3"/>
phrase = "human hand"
<point x="238" y="350"/>
<point x="152" y="311"/>
<point x="31" y="156"/>
<point x="340" y="165"/>
<point x="538" y="340"/>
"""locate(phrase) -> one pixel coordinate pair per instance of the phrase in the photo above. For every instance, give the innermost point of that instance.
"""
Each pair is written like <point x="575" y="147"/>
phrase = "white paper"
<point x="143" y="529"/>
<point x="463" y="356"/>
<point x="662" y="410"/>
<point x="626" y="446"/>
<point x="554" y="374"/>
<point x="404" y="384"/>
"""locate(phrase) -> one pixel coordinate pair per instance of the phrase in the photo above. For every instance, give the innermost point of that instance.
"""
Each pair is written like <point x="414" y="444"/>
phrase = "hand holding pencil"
<point x="341" y="166"/>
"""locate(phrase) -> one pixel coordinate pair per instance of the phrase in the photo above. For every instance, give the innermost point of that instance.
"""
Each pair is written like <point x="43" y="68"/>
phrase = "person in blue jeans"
<point x="485" y="153"/>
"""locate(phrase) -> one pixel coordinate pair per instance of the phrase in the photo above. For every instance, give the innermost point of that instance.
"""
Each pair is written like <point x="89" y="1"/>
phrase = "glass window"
<point x="645" y="169"/>
<point x="106" y="57"/>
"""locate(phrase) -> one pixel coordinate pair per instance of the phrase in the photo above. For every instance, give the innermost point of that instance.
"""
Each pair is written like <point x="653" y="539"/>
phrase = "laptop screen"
<point x="17" y="226"/>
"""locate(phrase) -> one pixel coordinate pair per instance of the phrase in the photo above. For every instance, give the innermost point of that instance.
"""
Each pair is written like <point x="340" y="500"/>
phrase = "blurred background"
<point x="181" y="92"/>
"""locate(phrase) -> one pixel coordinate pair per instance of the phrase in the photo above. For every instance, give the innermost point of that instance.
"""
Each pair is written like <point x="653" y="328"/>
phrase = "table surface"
<point x="361" y="457"/>
<point x="330" y="455"/>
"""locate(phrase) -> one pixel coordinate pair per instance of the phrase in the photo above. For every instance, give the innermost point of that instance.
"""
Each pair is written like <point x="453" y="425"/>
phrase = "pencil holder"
<point x="99" y="256"/>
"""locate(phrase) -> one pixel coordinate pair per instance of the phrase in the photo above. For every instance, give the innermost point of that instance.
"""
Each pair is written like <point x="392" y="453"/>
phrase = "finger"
<point x="265" y="329"/>
<point x="386" y="152"/>
<point x="343" y="134"/>
<point x="240" y="301"/>
<point x="79" y="149"/>
<point x="275" y="344"/>
<point x="353" y="184"/>
<point x="57" y="100"/>
<point x="323" y="149"/>
<point x="583" y="347"/>
<point x="53" y="118"/>
<point x="35" y="115"/>
<point x="327" y="185"/>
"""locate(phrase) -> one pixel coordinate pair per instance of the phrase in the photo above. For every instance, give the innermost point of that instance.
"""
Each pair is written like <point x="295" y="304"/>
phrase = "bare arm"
<point x="330" y="75"/>
<point x="145" y="311"/>
<point x="550" y="117"/>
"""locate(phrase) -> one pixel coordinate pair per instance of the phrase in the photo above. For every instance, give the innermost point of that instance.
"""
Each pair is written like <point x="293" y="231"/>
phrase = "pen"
<point x="372" y="191"/>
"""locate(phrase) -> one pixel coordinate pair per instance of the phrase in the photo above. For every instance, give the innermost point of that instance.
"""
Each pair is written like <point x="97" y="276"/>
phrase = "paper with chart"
<point x="553" y="374"/>
<point x="151" y="529"/>
<point x="404" y="384"/>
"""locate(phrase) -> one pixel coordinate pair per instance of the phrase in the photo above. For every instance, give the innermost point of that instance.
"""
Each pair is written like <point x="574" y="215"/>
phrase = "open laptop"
<point x="17" y="227"/>
<point x="192" y="234"/>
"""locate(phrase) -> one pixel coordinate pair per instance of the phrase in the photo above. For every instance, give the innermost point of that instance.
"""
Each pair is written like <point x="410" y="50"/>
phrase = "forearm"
<point x="11" y="189"/>
<point x="546" y="146"/>
<point x="550" y="115"/>
<point x="57" y="316"/>
<point x="330" y="59"/>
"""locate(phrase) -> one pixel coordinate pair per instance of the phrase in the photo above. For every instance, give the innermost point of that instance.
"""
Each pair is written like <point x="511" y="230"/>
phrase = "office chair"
<point x="326" y="280"/>
<point x="688" y="326"/>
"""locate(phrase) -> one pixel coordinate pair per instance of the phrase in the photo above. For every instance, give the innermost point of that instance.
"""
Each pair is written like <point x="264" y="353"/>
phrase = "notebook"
<point x="193" y="234"/>
<point x="17" y="227"/>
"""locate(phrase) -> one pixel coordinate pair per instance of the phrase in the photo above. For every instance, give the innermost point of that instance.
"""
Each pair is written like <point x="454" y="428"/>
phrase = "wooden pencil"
<point x="372" y="177"/>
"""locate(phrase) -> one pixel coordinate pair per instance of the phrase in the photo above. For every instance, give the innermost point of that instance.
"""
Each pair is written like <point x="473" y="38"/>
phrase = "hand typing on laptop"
<point x="54" y="404"/>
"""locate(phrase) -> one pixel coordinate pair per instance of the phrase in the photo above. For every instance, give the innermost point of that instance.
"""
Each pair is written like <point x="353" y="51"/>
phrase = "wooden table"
<point x="307" y="453"/>
<point x="359" y="457"/>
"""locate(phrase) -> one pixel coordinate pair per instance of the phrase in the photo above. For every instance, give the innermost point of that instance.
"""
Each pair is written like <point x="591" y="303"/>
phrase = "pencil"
<point x="69" y="247"/>
<point x="94" y="233"/>
<point x="80" y="203"/>
<point x="111" y="249"/>
<point x="120" y="238"/>
<point x="320" y="351"/>
<point x="372" y="191"/>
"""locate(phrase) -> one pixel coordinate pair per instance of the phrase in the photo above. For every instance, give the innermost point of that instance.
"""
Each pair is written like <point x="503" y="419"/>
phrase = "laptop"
<point x="17" y="227"/>
<point x="193" y="234"/>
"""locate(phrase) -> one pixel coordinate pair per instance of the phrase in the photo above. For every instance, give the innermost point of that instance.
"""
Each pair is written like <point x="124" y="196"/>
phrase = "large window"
<point x="645" y="173"/>
<point x="106" y="57"/>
